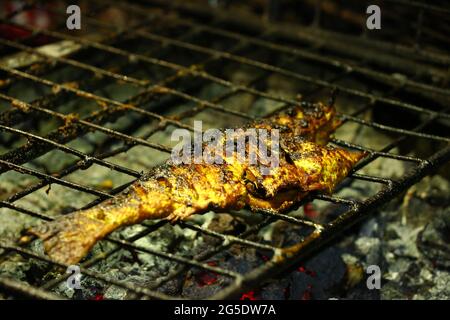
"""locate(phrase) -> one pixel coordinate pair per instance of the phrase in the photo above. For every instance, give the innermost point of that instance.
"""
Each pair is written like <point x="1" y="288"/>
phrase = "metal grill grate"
<point x="241" y="43"/>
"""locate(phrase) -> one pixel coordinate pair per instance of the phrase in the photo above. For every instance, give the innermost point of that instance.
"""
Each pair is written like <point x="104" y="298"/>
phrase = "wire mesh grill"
<point x="177" y="61"/>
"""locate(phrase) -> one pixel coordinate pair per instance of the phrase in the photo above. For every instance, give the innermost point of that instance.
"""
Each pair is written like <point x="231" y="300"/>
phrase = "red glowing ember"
<point x="307" y="294"/>
<point x="98" y="297"/>
<point x="309" y="210"/>
<point x="248" y="296"/>
<point x="206" y="278"/>
<point x="25" y="21"/>
<point x="306" y="271"/>
<point x="312" y="273"/>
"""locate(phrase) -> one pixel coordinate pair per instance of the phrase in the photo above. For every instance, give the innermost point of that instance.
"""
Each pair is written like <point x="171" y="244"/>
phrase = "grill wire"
<point x="175" y="88"/>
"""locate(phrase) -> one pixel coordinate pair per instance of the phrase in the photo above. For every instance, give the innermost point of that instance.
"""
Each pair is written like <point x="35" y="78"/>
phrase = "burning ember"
<point x="206" y="278"/>
<point x="309" y="210"/>
<point x="98" y="297"/>
<point x="307" y="294"/>
<point x="248" y="296"/>
<point x="308" y="272"/>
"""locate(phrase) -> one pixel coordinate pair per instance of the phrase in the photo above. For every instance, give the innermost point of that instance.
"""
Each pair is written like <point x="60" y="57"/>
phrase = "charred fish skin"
<point x="175" y="192"/>
<point x="313" y="122"/>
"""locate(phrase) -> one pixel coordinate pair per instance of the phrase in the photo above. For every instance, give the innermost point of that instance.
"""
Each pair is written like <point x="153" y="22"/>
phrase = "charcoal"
<point x="434" y="241"/>
<point x="370" y="248"/>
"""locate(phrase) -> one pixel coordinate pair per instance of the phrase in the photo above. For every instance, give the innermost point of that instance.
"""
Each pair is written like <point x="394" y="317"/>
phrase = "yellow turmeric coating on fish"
<point x="176" y="192"/>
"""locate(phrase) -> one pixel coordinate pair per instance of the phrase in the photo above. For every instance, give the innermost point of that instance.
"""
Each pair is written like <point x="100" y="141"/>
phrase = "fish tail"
<point x="69" y="238"/>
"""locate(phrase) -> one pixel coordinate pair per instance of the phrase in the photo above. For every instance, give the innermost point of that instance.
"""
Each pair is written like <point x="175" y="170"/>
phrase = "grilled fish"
<point x="177" y="191"/>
